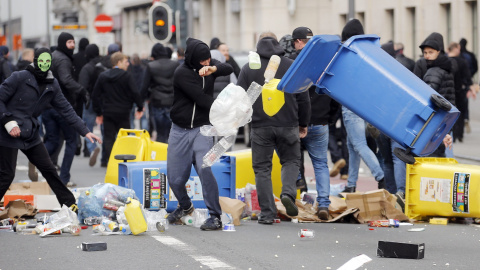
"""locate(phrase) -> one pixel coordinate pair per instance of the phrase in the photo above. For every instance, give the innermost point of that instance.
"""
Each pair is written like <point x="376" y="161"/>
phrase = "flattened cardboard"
<point x="374" y="205"/>
<point x="17" y="209"/>
<point x="307" y="212"/>
<point x="47" y="202"/>
<point x="233" y="207"/>
<point x="29" y="188"/>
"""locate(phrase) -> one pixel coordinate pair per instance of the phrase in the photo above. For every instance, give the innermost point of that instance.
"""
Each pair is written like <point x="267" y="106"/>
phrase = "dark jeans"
<point x="187" y="147"/>
<point x="54" y="123"/>
<point x="337" y="145"/>
<point x="163" y="123"/>
<point x="461" y="104"/>
<point x="385" y="149"/>
<point x="286" y="141"/>
<point x="38" y="156"/>
<point x="111" y="125"/>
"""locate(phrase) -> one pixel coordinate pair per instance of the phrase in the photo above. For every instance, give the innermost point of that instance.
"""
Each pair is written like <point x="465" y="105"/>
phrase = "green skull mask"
<point x="44" y="61"/>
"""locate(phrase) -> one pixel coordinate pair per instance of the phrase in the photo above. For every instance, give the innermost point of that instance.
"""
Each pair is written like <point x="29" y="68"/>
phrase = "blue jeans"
<point x="89" y="117"/>
<point x="399" y="168"/>
<point x="54" y="122"/>
<point x="358" y="148"/>
<point x="316" y="143"/>
<point x="143" y="119"/>
<point x="163" y="123"/>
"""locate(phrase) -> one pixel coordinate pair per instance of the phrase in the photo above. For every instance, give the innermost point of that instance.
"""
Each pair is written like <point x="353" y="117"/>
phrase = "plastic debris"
<point x="355" y="263"/>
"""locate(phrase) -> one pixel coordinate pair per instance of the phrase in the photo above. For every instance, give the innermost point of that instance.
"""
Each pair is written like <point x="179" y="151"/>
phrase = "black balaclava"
<point x="40" y="70"/>
<point x="91" y="52"/>
<point x="196" y="51"/>
<point x="352" y="28"/>
<point x="82" y="44"/>
<point x="159" y="51"/>
<point x="62" y="43"/>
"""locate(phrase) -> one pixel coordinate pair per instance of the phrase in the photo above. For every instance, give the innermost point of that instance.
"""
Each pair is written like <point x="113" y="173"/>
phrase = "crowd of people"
<point x="52" y="96"/>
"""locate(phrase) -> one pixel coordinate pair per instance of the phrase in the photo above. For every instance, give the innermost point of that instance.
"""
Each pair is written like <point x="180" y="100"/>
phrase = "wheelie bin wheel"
<point x="404" y="156"/>
<point x="440" y="102"/>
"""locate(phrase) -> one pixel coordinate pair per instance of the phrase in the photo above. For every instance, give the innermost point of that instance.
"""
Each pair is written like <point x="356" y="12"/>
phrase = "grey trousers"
<point x="187" y="147"/>
<point x="286" y="141"/>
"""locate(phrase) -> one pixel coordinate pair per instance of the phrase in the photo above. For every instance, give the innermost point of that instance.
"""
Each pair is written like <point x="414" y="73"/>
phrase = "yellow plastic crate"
<point x="442" y="187"/>
<point x="133" y="142"/>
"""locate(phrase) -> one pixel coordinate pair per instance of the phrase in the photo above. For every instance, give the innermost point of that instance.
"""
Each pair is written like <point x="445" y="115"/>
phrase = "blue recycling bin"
<point x="149" y="181"/>
<point x="310" y="63"/>
<point x="372" y="84"/>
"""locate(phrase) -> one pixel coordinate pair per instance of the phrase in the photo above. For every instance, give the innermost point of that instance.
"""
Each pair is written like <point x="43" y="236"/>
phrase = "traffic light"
<point x="160" y="22"/>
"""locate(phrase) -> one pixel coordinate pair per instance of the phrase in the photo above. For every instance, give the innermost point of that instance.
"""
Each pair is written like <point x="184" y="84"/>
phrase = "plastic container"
<point x="214" y="154"/>
<point x="110" y="225"/>
<point x="272" y="67"/>
<point x="441" y="187"/>
<point x="188" y="220"/>
<point x="272" y="99"/>
<point x="254" y="60"/>
<point x="376" y="87"/>
<point x="134" y="215"/>
<point x="125" y="229"/>
<point x="133" y="142"/>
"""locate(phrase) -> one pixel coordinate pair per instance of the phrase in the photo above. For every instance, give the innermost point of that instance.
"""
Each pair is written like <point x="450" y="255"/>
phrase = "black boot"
<point x="347" y="190"/>
<point x="381" y="183"/>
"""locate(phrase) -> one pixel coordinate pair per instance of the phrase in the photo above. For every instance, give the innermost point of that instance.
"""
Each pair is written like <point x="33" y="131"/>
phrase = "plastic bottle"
<point x="226" y="218"/>
<point x="200" y="215"/>
<point x="187" y="220"/>
<point x="125" y="229"/>
<point x="218" y="150"/>
<point x="272" y="68"/>
<point x="254" y="91"/>
<point x="121" y="219"/>
<point x="111" y="226"/>
<point x="254" y="60"/>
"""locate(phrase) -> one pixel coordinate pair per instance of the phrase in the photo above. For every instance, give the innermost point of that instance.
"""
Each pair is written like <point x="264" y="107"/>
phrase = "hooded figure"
<point x="91" y="52"/>
<point x="62" y="44"/>
<point x="434" y="41"/>
<point x="159" y="51"/>
<point x="196" y="52"/>
<point x="352" y="28"/>
<point x="469" y="57"/>
<point x="40" y="68"/>
<point x="79" y="59"/>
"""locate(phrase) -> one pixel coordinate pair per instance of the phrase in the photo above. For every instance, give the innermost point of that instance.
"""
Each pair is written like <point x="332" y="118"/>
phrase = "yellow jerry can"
<point x="134" y="216"/>
<point x="272" y="98"/>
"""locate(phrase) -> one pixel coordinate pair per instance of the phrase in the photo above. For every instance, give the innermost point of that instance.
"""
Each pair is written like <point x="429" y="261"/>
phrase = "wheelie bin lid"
<point x="310" y="64"/>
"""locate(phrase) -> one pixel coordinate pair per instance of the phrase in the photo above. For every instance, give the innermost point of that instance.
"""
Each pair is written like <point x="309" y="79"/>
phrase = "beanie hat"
<point x="91" y="51"/>
<point x="352" y="28"/>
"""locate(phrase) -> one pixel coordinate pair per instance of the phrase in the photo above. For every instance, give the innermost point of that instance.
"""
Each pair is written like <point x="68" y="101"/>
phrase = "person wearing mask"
<point x="436" y="70"/>
<point x="281" y="133"/>
<point x="158" y="86"/>
<point x="23" y="96"/>
<point x="223" y="48"/>
<point x="26" y="59"/>
<point x="113" y="96"/>
<point x="193" y="96"/>
<point x="5" y="70"/>
<point x="62" y="69"/>
<point x="405" y="61"/>
<point x="316" y="141"/>
<point x="355" y="127"/>
<point x="87" y="78"/>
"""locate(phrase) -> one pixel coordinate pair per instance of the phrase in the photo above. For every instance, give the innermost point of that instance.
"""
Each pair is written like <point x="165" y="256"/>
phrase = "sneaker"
<point x="74" y="208"/>
<point x="301" y="184"/>
<point x="211" y="224"/>
<point x="401" y="200"/>
<point x="289" y="203"/>
<point x="322" y="213"/>
<point x="32" y="173"/>
<point x="265" y="221"/>
<point x="71" y="184"/>
<point x="93" y="157"/>
<point x="381" y="183"/>
<point x="344" y="176"/>
<point x="178" y="213"/>
<point x="347" y="189"/>
<point x="337" y="167"/>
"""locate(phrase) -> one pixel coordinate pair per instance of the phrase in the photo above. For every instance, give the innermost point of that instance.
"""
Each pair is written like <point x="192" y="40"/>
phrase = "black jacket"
<point x="89" y="74"/>
<point x="22" y="64"/>
<point x="158" y="82"/>
<point x="322" y="106"/>
<point x="20" y="100"/>
<point x="79" y="60"/>
<point x="193" y="94"/>
<point x="114" y="93"/>
<point x="295" y="111"/>
<point x="5" y="70"/>
<point x="438" y="75"/>
<point x="462" y="77"/>
<point x="62" y="69"/>
<point x="405" y="61"/>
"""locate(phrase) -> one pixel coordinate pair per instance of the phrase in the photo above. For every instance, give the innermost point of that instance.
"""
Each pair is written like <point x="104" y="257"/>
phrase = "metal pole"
<point x="190" y="19"/>
<point x="97" y="7"/>
<point x="49" y="27"/>
<point x="9" y="28"/>
<point x="351" y="10"/>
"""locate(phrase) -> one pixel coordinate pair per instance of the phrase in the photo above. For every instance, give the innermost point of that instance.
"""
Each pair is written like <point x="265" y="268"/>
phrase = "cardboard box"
<point x="47" y="202"/>
<point x="374" y="205"/>
<point x="29" y="188"/>
<point x="400" y="250"/>
<point x="27" y="198"/>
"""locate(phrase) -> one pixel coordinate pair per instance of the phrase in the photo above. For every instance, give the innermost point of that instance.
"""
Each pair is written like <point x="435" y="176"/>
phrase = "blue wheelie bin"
<point x="372" y="84"/>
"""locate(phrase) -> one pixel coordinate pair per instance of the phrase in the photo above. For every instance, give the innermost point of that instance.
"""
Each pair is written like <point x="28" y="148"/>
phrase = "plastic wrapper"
<point x="152" y="217"/>
<point x="91" y="202"/>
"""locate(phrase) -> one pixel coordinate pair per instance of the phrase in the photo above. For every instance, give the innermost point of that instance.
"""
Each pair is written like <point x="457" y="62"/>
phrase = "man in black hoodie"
<point x="158" y="86"/>
<point x="88" y="77"/>
<point x="193" y="96"/>
<point x="62" y="69"/>
<point x="316" y="141"/>
<point x="113" y="96"/>
<point x="280" y="132"/>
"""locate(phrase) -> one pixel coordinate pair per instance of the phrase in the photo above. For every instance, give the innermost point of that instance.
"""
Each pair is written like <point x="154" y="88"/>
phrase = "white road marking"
<point x="209" y="261"/>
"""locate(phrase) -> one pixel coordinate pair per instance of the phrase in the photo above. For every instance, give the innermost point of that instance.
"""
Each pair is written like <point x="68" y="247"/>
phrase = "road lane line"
<point x="209" y="261"/>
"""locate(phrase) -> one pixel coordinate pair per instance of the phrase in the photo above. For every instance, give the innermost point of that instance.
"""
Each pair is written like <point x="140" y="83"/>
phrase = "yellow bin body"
<point x="442" y="187"/>
<point x="134" y="216"/>
<point x="133" y="142"/>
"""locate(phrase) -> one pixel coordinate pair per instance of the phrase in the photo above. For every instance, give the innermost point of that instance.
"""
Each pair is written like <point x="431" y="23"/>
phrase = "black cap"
<point x="302" y="33"/>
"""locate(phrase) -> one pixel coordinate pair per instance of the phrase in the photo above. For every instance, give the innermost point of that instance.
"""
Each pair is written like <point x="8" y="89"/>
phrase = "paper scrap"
<point x="355" y="262"/>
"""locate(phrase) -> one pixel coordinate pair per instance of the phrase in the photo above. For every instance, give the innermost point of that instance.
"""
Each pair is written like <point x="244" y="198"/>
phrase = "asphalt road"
<point x="252" y="245"/>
